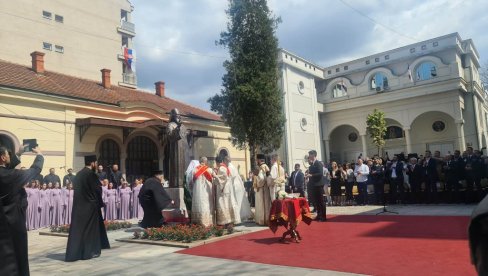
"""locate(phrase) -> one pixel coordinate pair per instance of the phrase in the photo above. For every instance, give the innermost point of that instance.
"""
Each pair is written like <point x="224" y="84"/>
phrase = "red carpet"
<point x="375" y="245"/>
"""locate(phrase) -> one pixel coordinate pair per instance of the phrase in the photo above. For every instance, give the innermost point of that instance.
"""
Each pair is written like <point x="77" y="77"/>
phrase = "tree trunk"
<point x="253" y="157"/>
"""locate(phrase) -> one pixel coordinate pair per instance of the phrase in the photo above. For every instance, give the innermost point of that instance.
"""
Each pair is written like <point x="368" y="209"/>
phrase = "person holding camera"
<point x="13" y="232"/>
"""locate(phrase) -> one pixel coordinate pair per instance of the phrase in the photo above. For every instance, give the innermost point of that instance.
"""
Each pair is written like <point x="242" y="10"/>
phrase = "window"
<point x="109" y="153"/>
<point x="303" y="124"/>
<point x="377" y="60"/>
<point x="426" y="71"/>
<point x="412" y="50"/>
<point x="346" y="67"/>
<point x="125" y="41"/>
<point x="367" y="62"/>
<point x="124" y="15"/>
<point x="301" y="87"/>
<point x="379" y="82"/>
<point x="424" y="47"/>
<point x="337" y="69"/>
<point x="387" y="57"/>
<point x="47" y="46"/>
<point x="393" y="132"/>
<point x="59" y="18"/>
<point x="329" y="72"/>
<point x="438" y="126"/>
<point x="435" y="44"/>
<point x="47" y="15"/>
<point x="339" y="90"/>
<point x="59" y="49"/>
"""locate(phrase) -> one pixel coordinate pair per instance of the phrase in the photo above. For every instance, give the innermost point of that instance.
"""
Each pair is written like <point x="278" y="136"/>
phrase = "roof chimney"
<point x="105" y="78"/>
<point x="160" y="88"/>
<point x="37" y="62"/>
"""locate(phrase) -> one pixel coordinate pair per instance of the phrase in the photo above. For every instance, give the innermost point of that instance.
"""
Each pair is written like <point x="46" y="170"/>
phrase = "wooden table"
<point x="289" y="213"/>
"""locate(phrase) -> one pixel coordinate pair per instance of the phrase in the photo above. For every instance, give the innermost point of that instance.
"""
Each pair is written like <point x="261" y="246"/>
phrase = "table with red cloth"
<point x="289" y="212"/>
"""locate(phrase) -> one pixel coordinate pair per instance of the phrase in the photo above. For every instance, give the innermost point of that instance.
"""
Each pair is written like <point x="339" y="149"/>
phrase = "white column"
<point x="365" y="148"/>
<point x="460" y="133"/>
<point x="408" y="141"/>
<point x="327" y="150"/>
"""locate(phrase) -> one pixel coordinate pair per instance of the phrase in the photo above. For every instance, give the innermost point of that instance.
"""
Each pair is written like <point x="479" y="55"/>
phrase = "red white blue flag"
<point x="129" y="58"/>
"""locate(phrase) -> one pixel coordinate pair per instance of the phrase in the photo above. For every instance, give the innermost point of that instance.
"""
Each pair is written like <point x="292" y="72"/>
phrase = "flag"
<point x="343" y="86"/>
<point x="128" y="57"/>
<point x="409" y="73"/>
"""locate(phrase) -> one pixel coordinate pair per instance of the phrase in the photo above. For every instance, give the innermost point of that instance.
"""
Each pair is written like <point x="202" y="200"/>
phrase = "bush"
<point x="182" y="233"/>
<point x="109" y="225"/>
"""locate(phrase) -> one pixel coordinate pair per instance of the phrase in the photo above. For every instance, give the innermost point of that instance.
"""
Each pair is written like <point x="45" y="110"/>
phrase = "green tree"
<point x="377" y="128"/>
<point x="251" y="101"/>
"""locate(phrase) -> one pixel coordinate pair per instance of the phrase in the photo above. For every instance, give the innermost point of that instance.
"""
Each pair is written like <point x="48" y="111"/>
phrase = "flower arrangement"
<point x="182" y="233"/>
<point x="109" y="225"/>
<point x="281" y="194"/>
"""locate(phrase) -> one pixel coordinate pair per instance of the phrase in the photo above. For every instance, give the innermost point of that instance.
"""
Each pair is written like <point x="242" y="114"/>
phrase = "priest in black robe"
<point x="87" y="233"/>
<point x="13" y="233"/>
<point x="478" y="237"/>
<point x="153" y="199"/>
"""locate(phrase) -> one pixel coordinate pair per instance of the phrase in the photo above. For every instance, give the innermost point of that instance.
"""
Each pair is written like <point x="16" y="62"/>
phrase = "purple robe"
<point x="137" y="211"/>
<point x="32" y="209"/>
<point x="111" y="200"/>
<point x="44" y="207"/>
<point x="57" y="207"/>
<point x="125" y="195"/>
<point x="68" y="205"/>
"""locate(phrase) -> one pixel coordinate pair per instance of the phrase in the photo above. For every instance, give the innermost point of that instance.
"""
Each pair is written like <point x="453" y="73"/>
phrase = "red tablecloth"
<point x="289" y="211"/>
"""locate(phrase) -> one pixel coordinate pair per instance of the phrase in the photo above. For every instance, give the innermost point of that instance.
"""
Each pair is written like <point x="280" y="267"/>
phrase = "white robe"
<point x="243" y="208"/>
<point x="277" y="180"/>
<point x="262" y="197"/>
<point x="225" y="211"/>
<point x="203" y="200"/>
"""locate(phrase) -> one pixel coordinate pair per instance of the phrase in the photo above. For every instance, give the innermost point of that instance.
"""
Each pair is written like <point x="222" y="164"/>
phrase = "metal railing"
<point x="129" y="78"/>
<point x="128" y="26"/>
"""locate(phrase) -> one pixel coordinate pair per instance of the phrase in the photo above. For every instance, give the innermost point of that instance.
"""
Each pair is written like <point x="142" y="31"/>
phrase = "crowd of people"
<point x="428" y="178"/>
<point x="50" y="203"/>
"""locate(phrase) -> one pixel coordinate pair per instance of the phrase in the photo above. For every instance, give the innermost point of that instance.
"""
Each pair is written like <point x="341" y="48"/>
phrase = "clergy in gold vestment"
<point x="223" y="182"/>
<point x="262" y="197"/>
<point x="203" y="199"/>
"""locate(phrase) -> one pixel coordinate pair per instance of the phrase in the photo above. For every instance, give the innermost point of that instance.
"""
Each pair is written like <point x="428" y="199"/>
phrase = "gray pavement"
<point x="46" y="253"/>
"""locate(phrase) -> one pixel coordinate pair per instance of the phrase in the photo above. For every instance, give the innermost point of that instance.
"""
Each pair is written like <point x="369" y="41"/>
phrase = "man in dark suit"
<point x="395" y="174"/>
<point x="450" y="170"/>
<point x="297" y="181"/>
<point x="431" y="177"/>
<point x="415" y="174"/>
<point x="115" y="176"/>
<point x="315" y="175"/>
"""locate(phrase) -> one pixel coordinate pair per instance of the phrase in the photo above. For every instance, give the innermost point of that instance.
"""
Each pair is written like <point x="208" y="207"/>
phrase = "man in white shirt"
<point x="361" y="172"/>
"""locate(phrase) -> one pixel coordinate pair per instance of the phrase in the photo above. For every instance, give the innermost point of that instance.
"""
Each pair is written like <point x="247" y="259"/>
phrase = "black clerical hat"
<point x="260" y="156"/>
<point x="90" y="158"/>
<point x="156" y="172"/>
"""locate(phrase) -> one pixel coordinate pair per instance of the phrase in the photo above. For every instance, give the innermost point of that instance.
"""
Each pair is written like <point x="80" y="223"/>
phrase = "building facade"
<point x="78" y="37"/>
<point x="430" y="92"/>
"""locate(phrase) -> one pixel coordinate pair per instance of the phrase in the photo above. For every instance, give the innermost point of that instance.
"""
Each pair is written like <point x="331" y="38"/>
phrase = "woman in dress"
<point x="125" y="199"/>
<point x="335" y="183"/>
<point x="57" y="205"/>
<point x="68" y="203"/>
<point x="137" y="211"/>
<point x="111" y="200"/>
<point x="44" y="206"/>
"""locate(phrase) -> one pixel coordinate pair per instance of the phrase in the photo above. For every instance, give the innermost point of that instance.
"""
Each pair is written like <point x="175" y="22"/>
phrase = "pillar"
<point x="327" y="150"/>
<point x="408" y="140"/>
<point x="460" y="134"/>
<point x="365" y="148"/>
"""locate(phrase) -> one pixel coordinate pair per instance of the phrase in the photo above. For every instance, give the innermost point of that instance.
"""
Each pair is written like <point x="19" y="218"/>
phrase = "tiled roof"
<point x="22" y="77"/>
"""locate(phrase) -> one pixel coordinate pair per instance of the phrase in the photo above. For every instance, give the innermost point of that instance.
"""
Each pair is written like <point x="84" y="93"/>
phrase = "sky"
<point x="175" y="39"/>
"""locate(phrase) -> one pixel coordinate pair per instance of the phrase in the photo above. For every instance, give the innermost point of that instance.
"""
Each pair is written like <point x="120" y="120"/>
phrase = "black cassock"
<point x="478" y="237"/>
<point x="87" y="233"/>
<point x="153" y="199"/>
<point x="13" y="233"/>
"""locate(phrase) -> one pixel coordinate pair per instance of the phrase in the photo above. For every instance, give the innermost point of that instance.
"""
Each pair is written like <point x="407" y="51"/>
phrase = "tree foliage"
<point x="377" y="128"/>
<point x="250" y="101"/>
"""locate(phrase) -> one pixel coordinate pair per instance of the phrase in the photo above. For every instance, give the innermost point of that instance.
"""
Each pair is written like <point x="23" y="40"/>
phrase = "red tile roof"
<point x="22" y="77"/>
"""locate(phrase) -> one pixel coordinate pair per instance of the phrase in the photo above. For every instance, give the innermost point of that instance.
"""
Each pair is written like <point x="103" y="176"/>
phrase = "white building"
<point x="78" y="37"/>
<point x="430" y="92"/>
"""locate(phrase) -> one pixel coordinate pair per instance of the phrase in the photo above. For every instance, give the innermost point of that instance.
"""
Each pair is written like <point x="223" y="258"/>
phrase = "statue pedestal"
<point x="176" y="212"/>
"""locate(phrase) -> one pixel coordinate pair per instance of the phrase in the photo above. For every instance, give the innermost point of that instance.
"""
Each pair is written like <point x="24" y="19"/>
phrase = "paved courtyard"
<point x="46" y="253"/>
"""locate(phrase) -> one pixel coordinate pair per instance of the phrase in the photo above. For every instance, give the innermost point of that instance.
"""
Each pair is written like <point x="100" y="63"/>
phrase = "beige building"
<point x="72" y="117"/>
<point x="430" y="92"/>
<point x="78" y="37"/>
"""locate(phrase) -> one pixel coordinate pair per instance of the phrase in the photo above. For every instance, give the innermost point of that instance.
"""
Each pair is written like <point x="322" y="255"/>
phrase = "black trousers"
<point x="318" y="200"/>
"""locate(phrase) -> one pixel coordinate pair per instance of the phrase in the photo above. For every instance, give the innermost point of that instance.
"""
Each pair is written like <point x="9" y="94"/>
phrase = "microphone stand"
<point x="384" y="205"/>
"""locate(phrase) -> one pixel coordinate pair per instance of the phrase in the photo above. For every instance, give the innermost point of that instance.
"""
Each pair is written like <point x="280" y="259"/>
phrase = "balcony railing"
<point x="128" y="26"/>
<point x="129" y="78"/>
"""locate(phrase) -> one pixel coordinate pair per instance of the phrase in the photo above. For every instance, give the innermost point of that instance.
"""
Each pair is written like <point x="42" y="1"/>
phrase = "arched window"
<point x="109" y="153"/>
<point x="339" y="90"/>
<point x="379" y="82"/>
<point x="393" y="132"/>
<point x="426" y="71"/>
<point x="142" y="157"/>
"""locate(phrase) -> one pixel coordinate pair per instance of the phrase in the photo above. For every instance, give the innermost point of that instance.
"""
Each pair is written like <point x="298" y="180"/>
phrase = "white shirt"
<point x="364" y="170"/>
